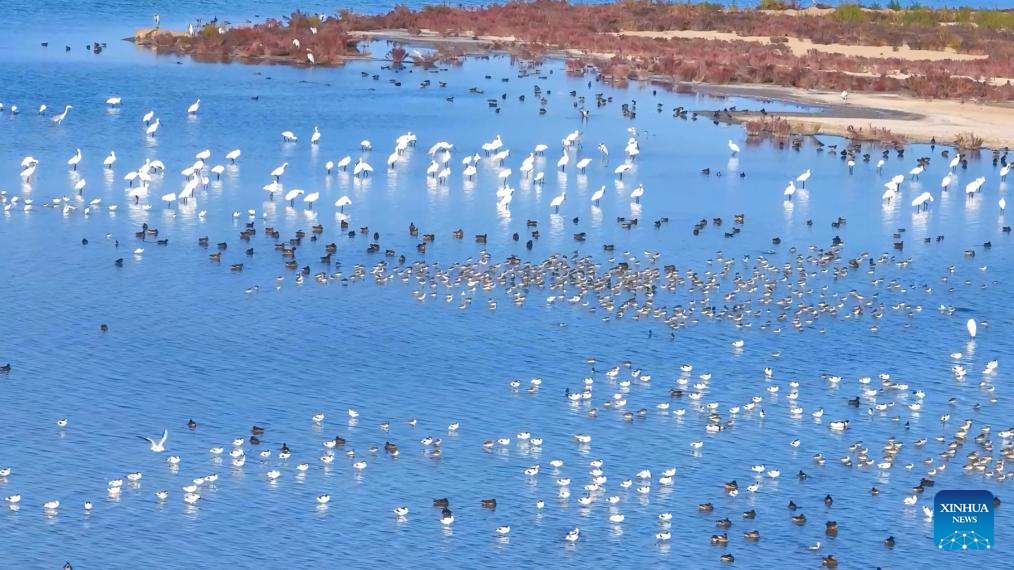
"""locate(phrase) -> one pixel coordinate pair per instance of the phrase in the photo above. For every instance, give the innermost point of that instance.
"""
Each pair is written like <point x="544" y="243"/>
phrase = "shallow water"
<point x="186" y="341"/>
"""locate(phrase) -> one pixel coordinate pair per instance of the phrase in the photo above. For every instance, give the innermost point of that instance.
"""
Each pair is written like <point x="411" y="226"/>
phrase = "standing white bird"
<point x="562" y="163"/>
<point x="113" y="101"/>
<point x="74" y="160"/>
<point x="1003" y="205"/>
<point x="233" y="155"/>
<point x="278" y="172"/>
<point x="844" y="97"/>
<point x="637" y="193"/>
<point x="945" y="183"/>
<point x="733" y="147"/>
<point x="153" y="128"/>
<point x="156" y="446"/>
<point x="789" y="190"/>
<point x="802" y="178"/>
<point x="362" y="167"/>
<point x="146" y="119"/>
<point x="598" y="195"/>
<point x="110" y="160"/>
<point x="194" y="107"/>
<point x="311" y="198"/>
<point x="558" y="201"/>
<point x="315" y="137"/>
<point x="972" y="327"/>
<point x="58" y="119"/>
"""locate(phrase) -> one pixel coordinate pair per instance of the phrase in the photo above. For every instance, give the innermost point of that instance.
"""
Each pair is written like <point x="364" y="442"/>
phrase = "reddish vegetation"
<point x="272" y="40"/>
<point x="546" y="25"/>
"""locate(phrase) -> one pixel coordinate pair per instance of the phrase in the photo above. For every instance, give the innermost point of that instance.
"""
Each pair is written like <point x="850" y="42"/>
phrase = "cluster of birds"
<point x="883" y="396"/>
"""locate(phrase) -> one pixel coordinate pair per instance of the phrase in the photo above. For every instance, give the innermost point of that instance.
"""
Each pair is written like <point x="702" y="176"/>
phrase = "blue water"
<point x="186" y="340"/>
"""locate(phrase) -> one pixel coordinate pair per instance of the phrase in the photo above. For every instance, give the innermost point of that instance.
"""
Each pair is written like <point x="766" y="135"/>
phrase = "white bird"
<point x="583" y="164"/>
<point x="342" y="202"/>
<point x="1003" y="205"/>
<point x="365" y="145"/>
<point x="562" y="163"/>
<point x="401" y="511"/>
<point x="597" y="196"/>
<point x="503" y="530"/>
<point x="278" y="172"/>
<point x="733" y="147"/>
<point x="637" y="193"/>
<point x="622" y="169"/>
<point x="789" y="190"/>
<point x="74" y="160"/>
<point x="558" y="201"/>
<point x="311" y="198"/>
<point x="156" y="446"/>
<point x="113" y="101"/>
<point x="802" y="178"/>
<point x="146" y="119"/>
<point x="844" y="97"/>
<point x="194" y="107"/>
<point x="344" y="162"/>
<point x="315" y="137"/>
<point x="110" y="160"/>
<point x="323" y="499"/>
<point x="152" y="128"/>
<point x="58" y="119"/>
<point x="289" y="136"/>
<point x="972" y="327"/>
<point x="51" y="505"/>
<point x="945" y="183"/>
<point x="233" y="155"/>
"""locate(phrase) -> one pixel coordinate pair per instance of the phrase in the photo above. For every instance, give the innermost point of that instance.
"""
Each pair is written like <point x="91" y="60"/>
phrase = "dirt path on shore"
<point x="800" y="46"/>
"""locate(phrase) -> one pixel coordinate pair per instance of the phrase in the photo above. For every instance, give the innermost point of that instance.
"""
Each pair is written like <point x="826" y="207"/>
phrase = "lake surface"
<point x="188" y="338"/>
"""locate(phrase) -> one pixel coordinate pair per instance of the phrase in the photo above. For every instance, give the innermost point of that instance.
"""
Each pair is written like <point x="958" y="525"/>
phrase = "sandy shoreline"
<point x="800" y="46"/>
<point x="918" y="120"/>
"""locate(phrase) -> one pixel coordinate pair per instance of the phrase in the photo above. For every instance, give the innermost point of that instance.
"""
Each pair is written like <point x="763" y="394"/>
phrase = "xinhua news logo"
<point x="963" y="520"/>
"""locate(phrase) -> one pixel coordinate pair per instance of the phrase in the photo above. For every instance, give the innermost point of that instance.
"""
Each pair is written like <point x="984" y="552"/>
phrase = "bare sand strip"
<point x="918" y="120"/>
<point x="800" y="46"/>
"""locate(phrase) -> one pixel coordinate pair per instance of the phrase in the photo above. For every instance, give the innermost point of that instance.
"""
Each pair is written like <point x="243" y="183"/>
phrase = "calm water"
<point x="186" y="341"/>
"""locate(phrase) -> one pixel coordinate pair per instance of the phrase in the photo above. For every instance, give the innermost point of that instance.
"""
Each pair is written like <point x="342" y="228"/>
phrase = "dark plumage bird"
<point x="191" y="423"/>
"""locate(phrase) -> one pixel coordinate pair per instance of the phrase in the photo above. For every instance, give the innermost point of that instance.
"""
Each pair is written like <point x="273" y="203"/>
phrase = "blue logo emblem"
<point x="963" y="520"/>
